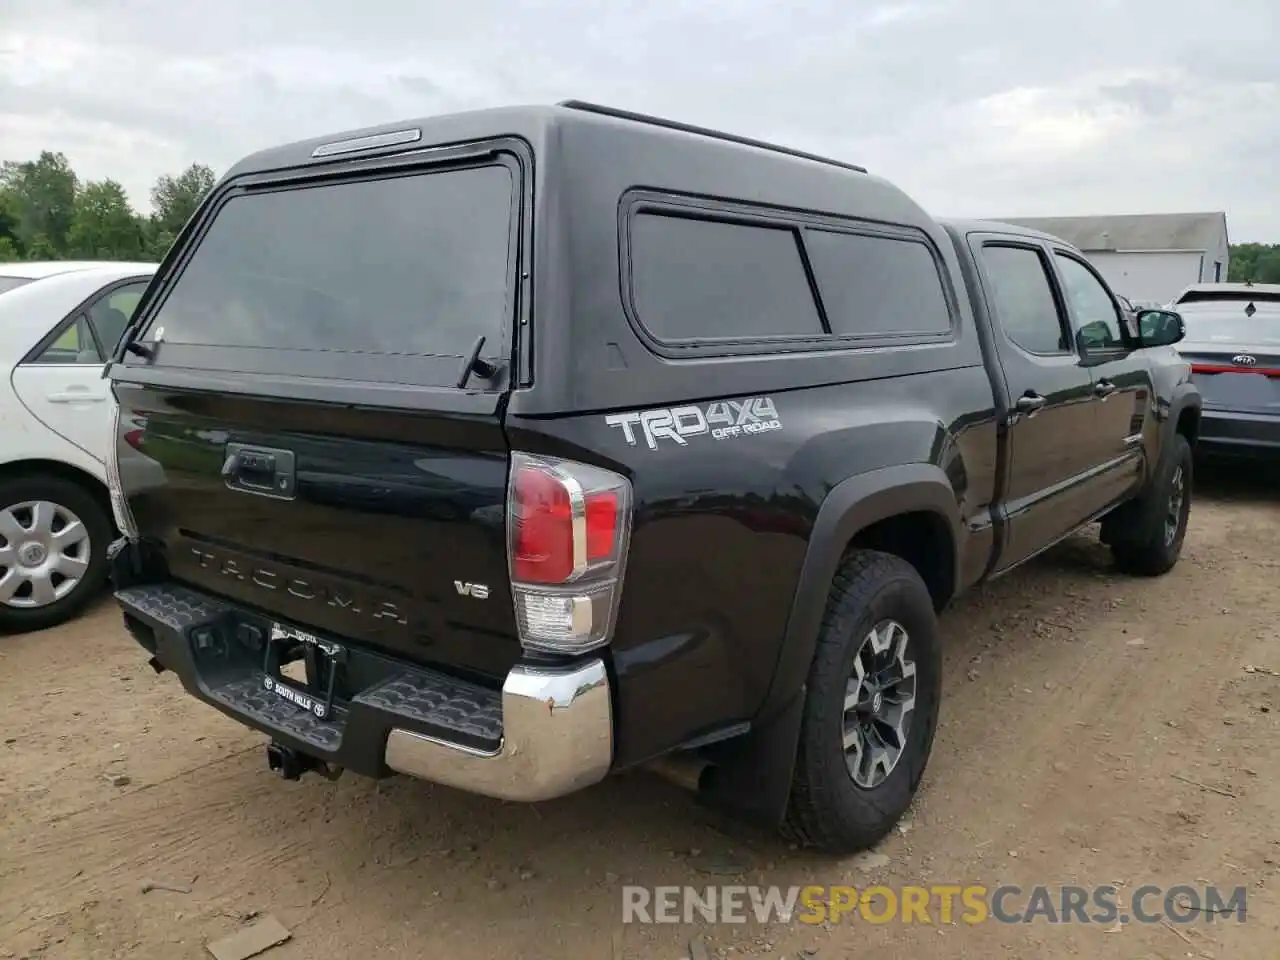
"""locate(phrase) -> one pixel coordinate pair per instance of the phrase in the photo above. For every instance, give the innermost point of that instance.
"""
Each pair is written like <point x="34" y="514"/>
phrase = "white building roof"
<point x="1143" y="231"/>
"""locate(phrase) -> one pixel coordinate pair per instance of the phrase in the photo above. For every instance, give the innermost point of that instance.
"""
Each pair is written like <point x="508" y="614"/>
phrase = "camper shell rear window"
<point x="390" y="278"/>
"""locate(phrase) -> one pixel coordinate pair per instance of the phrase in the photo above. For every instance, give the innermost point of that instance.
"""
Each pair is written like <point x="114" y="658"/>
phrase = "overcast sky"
<point x="975" y="107"/>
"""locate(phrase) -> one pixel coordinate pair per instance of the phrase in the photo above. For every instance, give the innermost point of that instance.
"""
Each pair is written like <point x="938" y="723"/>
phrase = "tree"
<point x="41" y="247"/>
<point x="1269" y="266"/>
<point x="42" y="196"/>
<point x="156" y="243"/>
<point x="104" y="226"/>
<point x="1259" y="262"/>
<point x="10" y="249"/>
<point x="175" y="198"/>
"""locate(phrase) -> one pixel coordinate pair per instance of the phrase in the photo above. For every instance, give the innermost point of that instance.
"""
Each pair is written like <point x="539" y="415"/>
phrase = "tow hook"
<point x="291" y="764"/>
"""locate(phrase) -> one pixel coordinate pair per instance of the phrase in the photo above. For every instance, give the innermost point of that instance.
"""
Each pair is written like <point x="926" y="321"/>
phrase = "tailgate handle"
<point x="262" y="470"/>
<point x="256" y="467"/>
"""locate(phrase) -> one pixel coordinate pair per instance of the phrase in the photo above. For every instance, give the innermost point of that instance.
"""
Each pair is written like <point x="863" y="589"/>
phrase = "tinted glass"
<point x="1210" y="296"/>
<point x="74" y="345"/>
<point x="1024" y="299"/>
<point x="877" y="285"/>
<point x="414" y="265"/>
<point x="111" y="313"/>
<point x="1095" y="312"/>
<point x="704" y="279"/>
<point x="12" y="283"/>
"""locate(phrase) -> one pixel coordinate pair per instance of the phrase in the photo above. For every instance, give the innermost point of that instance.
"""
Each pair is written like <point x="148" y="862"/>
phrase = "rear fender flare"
<point x="851" y="506"/>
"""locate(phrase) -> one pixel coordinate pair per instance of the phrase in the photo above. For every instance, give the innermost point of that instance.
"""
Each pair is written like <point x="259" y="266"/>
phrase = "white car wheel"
<point x="53" y="540"/>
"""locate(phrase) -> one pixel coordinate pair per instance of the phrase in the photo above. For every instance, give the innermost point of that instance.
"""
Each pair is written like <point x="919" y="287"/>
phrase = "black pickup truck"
<point x="513" y="448"/>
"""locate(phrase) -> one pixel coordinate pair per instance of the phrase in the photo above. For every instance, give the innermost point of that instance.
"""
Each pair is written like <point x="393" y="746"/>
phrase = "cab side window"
<point x="1023" y="299"/>
<point x="1095" y="311"/>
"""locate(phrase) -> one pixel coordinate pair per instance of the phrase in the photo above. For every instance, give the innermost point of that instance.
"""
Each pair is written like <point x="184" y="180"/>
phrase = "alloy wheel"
<point x="1173" y="516"/>
<point x="880" y="698"/>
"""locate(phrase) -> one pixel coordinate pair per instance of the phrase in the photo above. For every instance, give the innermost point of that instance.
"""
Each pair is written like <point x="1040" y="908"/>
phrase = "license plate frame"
<point x="322" y="657"/>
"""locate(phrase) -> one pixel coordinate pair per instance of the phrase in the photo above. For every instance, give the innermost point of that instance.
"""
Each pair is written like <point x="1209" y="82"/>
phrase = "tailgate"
<point x="294" y="433"/>
<point x="383" y="517"/>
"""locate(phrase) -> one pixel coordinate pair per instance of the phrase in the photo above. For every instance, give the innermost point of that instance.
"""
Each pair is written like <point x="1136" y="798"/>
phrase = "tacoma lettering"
<point x="295" y="587"/>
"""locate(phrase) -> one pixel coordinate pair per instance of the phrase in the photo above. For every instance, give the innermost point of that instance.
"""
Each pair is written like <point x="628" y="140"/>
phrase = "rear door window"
<point x="90" y="336"/>
<point x="416" y="266"/>
<point x="110" y="314"/>
<point x="1023" y="299"/>
<point x="75" y="344"/>
<point x="697" y="279"/>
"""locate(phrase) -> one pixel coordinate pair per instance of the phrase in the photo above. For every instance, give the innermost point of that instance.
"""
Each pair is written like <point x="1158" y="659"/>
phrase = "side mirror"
<point x="1095" y="336"/>
<point x="1160" y="328"/>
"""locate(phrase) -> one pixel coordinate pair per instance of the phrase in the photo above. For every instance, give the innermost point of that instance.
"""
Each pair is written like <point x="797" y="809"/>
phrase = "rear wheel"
<point x="53" y="546"/>
<point x="1146" y="535"/>
<point x="871" y="707"/>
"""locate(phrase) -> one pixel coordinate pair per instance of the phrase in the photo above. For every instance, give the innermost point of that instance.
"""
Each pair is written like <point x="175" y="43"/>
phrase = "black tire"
<point x="827" y="809"/>
<point x="1142" y="536"/>
<point x="97" y="521"/>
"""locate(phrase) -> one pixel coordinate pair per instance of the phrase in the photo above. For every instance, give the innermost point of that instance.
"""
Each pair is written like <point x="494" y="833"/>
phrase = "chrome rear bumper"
<point x="548" y="732"/>
<point x="557" y="737"/>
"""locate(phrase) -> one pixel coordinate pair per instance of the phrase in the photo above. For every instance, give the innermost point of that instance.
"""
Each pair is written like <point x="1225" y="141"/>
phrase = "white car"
<point x="59" y="322"/>
<point x="1256" y="293"/>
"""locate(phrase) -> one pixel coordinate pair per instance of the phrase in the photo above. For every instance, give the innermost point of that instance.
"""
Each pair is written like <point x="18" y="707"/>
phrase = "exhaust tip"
<point x="684" y="770"/>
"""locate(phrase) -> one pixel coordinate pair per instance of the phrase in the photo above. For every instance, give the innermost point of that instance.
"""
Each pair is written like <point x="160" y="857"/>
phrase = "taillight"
<point x="568" y="526"/>
<point x="1228" y="368"/>
<point x="119" y="504"/>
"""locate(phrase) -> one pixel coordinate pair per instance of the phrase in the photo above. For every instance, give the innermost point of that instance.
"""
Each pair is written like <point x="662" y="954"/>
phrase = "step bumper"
<point x="548" y="732"/>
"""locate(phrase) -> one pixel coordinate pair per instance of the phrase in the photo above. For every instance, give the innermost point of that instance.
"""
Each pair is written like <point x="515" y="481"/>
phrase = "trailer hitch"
<point x="291" y="764"/>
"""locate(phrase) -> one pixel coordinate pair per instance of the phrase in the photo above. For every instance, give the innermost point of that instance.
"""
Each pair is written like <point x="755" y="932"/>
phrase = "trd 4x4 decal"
<point x="722" y="419"/>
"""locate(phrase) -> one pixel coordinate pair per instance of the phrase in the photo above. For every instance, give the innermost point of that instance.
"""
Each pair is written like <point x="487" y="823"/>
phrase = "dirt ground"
<point x="1094" y="730"/>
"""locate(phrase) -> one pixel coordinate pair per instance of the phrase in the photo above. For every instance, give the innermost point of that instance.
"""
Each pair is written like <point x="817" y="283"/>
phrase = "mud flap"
<point x="750" y="776"/>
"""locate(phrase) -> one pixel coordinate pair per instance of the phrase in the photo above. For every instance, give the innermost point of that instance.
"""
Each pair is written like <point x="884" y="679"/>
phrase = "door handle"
<point x="1104" y="388"/>
<point x="1029" y="403"/>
